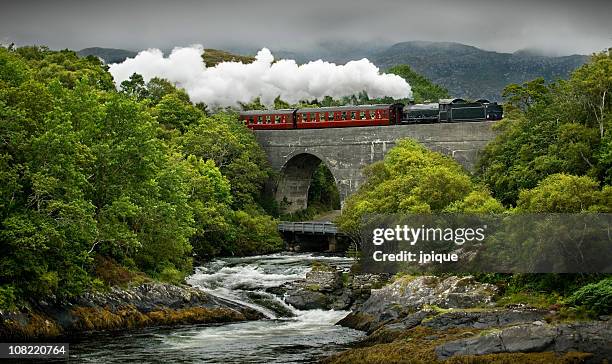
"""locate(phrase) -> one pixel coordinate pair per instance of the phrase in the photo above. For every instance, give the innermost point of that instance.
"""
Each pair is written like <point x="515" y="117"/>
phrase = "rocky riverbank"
<point x="455" y="320"/>
<point x="148" y="304"/>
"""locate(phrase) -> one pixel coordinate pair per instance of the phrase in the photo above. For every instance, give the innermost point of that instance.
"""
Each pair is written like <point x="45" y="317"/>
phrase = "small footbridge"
<point x="313" y="236"/>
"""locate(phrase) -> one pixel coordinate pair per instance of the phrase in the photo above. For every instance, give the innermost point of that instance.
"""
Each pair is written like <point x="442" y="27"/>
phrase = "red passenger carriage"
<point x="323" y="117"/>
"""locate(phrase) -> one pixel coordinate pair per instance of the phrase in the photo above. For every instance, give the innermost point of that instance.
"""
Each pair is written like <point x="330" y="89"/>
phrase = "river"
<point x="287" y="335"/>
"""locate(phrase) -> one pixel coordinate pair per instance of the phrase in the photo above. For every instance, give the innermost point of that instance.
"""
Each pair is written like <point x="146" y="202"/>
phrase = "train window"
<point x="344" y="115"/>
<point x="353" y="115"/>
<point x="267" y="119"/>
<point x="283" y="119"/>
<point x="304" y="117"/>
<point x="251" y="120"/>
<point x="315" y="116"/>
<point x="362" y="115"/>
<point x="277" y="119"/>
<point x="259" y="119"/>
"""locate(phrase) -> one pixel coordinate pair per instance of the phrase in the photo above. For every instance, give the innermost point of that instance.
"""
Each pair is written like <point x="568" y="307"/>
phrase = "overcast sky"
<point x="562" y="27"/>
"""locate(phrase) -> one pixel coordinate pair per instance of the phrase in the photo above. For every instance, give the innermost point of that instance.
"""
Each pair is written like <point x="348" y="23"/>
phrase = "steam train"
<point x="445" y="111"/>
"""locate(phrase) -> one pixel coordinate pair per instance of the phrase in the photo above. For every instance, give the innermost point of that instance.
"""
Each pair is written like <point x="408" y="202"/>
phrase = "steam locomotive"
<point x="445" y="111"/>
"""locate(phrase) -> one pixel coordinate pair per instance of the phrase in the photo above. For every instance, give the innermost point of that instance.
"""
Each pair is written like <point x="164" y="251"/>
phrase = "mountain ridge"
<point x="466" y="71"/>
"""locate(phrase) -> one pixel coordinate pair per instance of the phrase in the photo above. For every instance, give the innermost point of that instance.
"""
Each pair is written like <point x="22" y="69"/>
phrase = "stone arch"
<point x="294" y="181"/>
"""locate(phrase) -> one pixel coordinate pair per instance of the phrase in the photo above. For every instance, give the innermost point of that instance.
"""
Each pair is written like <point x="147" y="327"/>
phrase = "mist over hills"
<point x="466" y="71"/>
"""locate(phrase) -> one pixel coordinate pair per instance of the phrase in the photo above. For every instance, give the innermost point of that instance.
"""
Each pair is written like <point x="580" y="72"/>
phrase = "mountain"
<point x="109" y="55"/>
<point x="466" y="71"/>
<point x="471" y="72"/>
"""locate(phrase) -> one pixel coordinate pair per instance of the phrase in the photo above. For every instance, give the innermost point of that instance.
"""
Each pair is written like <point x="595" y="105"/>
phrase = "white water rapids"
<point x="287" y="335"/>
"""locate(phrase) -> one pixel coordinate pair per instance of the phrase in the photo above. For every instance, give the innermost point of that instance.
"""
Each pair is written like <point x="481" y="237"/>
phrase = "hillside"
<point x="471" y="72"/>
<point x="212" y="57"/>
<point x="109" y="55"/>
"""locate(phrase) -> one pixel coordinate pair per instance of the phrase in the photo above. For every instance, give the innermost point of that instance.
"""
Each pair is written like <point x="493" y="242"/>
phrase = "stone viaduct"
<point x="295" y="154"/>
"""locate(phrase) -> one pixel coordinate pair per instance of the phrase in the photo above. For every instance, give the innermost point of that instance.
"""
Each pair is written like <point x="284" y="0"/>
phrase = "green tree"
<point x="549" y="129"/>
<point x="210" y="199"/>
<point x="410" y="179"/>
<point x="223" y="139"/>
<point x="135" y="87"/>
<point x="157" y="88"/>
<point x="592" y="85"/>
<point x="563" y="193"/>
<point x="173" y="112"/>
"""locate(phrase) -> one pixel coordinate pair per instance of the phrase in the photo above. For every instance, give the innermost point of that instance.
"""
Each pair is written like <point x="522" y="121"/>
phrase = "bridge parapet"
<point x="313" y="236"/>
<point x="308" y="227"/>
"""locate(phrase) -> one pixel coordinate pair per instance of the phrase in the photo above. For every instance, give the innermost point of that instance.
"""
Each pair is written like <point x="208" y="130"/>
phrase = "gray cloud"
<point x="556" y="26"/>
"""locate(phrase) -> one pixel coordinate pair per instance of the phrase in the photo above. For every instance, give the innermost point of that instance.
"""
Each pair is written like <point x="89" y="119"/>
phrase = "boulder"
<point x="325" y="287"/>
<point x="589" y="337"/>
<point x="410" y="294"/>
<point x="484" y="319"/>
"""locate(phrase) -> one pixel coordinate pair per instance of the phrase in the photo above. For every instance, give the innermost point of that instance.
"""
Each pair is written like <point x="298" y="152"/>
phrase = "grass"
<point x="532" y="299"/>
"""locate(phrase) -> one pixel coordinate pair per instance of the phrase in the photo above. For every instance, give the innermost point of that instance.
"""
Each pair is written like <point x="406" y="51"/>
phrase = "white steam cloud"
<point x="228" y="83"/>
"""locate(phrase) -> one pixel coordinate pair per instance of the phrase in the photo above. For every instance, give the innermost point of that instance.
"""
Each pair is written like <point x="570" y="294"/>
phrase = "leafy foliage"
<point x="411" y="179"/>
<point x="565" y="193"/>
<point x="563" y="127"/>
<point x="89" y="173"/>
<point x="595" y="296"/>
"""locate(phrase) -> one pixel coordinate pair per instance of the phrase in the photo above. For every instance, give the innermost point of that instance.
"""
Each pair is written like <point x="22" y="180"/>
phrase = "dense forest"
<point x="99" y="185"/>
<point x="553" y="153"/>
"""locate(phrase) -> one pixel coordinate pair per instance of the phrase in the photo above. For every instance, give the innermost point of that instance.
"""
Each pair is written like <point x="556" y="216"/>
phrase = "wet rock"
<point x="306" y="299"/>
<point x="408" y="322"/>
<point x="484" y="319"/>
<point x="326" y="287"/>
<point x="588" y="337"/>
<point x="410" y="294"/>
<point x="271" y="303"/>
<point x="324" y="280"/>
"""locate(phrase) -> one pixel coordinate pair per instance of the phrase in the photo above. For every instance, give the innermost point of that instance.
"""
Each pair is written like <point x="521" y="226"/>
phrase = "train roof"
<point x="316" y="109"/>
<point x="267" y="112"/>
<point x="346" y="108"/>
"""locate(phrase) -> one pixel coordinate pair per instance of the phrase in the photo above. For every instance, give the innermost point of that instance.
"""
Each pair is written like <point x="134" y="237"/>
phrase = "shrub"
<point x="171" y="275"/>
<point x="8" y="300"/>
<point x="596" y="296"/>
